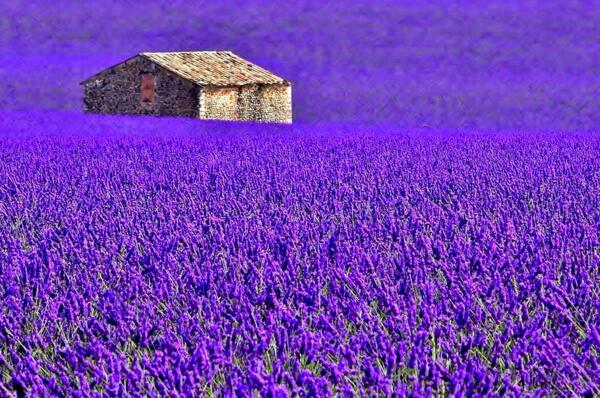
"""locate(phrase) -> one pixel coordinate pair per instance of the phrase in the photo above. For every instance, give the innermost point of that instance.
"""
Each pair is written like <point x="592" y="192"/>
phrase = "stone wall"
<point x="118" y="91"/>
<point x="219" y="103"/>
<point x="276" y="103"/>
<point x="253" y="102"/>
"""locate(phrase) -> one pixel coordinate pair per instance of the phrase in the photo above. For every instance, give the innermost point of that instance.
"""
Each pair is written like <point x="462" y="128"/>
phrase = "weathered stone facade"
<point x="258" y="102"/>
<point x="140" y="86"/>
<point x="118" y="91"/>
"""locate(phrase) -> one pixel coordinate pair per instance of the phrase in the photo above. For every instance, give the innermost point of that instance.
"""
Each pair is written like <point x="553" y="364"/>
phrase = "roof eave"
<point x="229" y="85"/>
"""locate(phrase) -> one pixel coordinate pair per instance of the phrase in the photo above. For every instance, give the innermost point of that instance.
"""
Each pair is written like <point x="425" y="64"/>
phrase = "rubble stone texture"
<point x="120" y="90"/>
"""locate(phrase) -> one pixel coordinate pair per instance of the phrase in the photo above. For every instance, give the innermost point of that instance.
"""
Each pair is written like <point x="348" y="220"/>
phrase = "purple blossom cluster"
<point x="169" y="260"/>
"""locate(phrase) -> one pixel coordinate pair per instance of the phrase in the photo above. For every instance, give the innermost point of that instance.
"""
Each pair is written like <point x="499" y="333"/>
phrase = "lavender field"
<point x="429" y="227"/>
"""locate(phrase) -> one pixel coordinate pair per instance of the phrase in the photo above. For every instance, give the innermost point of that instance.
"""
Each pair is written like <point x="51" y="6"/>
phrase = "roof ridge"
<point x="218" y="68"/>
<point x="222" y="68"/>
<point x="188" y="52"/>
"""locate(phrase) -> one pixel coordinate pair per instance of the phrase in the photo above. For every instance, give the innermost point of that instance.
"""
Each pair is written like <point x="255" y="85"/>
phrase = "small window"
<point x="147" y="87"/>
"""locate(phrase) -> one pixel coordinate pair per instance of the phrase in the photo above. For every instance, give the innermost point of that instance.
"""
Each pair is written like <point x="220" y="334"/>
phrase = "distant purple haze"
<point x="518" y="65"/>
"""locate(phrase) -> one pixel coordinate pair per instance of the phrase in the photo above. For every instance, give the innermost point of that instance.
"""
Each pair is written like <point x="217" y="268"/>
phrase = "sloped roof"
<point x="217" y="68"/>
<point x="211" y="68"/>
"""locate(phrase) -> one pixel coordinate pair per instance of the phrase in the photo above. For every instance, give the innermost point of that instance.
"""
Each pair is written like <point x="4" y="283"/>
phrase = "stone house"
<point x="201" y="84"/>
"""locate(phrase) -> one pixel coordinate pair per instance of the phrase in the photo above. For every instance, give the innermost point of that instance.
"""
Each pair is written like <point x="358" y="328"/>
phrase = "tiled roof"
<point x="217" y="68"/>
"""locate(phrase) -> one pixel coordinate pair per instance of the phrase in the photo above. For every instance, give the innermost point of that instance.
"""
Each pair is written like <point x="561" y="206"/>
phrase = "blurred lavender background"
<point x="484" y="65"/>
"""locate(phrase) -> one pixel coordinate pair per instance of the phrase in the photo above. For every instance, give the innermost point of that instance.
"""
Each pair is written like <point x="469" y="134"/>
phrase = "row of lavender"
<point x="299" y="263"/>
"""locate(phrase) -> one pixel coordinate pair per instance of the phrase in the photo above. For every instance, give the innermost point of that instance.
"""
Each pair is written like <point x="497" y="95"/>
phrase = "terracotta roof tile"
<point x="217" y="68"/>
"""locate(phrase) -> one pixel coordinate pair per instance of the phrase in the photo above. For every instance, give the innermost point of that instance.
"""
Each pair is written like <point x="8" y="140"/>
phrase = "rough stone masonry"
<point x="206" y="85"/>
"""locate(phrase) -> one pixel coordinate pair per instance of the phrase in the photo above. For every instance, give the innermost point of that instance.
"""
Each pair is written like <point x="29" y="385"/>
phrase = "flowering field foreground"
<point x="297" y="262"/>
